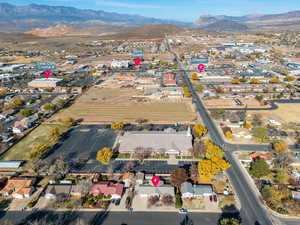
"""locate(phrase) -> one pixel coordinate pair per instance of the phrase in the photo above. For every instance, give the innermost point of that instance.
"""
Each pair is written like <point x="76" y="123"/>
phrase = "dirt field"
<point x="287" y="112"/>
<point x="113" y="105"/>
<point x="230" y="103"/>
<point x="21" y="150"/>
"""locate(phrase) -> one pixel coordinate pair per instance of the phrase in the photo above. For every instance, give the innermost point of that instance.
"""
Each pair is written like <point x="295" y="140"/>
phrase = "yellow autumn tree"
<point x="247" y="125"/>
<point x="209" y="167"/>
<point x="280" y="146"/>
<point x="228" y="134"/>
<point x="3" y="92"/>
<point x="254" y="81"/>
<point x="117" y="126"/>
<point x="214" y="151"/>
<point x="199" y="130"/>
<point x="275" y="80"/>
<point x="186" y="92"/>
<point x="235" y="81"/>
<point x="194" y="76"/>
<point x="213" y="163"/>
<point x="104" y="155"/>
<point x="16" y="101"/>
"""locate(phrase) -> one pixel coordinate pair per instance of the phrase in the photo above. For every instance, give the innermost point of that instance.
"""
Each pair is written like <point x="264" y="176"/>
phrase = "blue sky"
<point x="185" y="10"/>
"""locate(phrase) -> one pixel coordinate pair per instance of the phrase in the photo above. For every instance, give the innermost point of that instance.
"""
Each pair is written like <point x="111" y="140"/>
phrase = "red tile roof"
<point x="265" y="156"/>
<point x="107" y="188"/>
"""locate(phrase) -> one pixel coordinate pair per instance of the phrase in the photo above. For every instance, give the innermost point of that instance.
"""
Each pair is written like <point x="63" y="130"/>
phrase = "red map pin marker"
<point x="47" y="73"/>
<point x="137" y="61"/>
<point x="155" y="181"/>
<point x="201" y="68"/>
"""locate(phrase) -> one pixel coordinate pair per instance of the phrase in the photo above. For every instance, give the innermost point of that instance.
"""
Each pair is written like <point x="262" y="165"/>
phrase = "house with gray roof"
<point x="172" y="143"/>
<point x="146" y="191"/>
<point x="189" y="190"/>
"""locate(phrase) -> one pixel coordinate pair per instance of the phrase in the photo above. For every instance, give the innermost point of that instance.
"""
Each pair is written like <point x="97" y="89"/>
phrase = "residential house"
<point x="52" y="191"/>
<point x="18" y="187"/>
<point x="240" y="132"/>
<point x="266" y="156"/>
<point x="169" y="79"/>
<point x="189" y="190"/>
<point x="146" y="191"/>
<point x="108" y="188"/>
<point x="11" y="164"/>
<point x="81" y="188"/>
<point x="139" y="178"/>
<point x="295" y="160"/>
<point x="24" y="124"/>
<point x="119" y="64"/>
<point x="7" y="137"/>
<point x="295" y="174"/>
<point x="296" y="195"/>
<point x="127" y="179"/>
<point x="172" y="143"/>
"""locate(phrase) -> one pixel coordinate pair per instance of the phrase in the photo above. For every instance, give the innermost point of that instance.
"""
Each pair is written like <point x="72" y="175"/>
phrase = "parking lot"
<point x="150" y="166"/>
<point x="82" y="144"/>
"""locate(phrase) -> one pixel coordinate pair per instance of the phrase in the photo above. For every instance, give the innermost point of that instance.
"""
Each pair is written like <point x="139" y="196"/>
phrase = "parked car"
<point x="215" y="198"/>
<point x="182" y="211"/>
<point x="117" y="202"/>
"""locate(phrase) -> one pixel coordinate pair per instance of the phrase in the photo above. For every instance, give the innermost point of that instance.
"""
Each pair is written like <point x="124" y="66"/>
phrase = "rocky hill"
<point x="57" y="31"/>
<point x="147" y="32"/>
<point x="23" y="18"/>
<point x="283" y="21"/>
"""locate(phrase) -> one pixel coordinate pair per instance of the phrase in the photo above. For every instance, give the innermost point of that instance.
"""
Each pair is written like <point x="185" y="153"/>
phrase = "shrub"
<point x="178" y="201"/>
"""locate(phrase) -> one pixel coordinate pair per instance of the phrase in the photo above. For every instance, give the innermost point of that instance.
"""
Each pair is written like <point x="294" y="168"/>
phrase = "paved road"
<point x="252" y="212"/>
<point x="113" y="218"/>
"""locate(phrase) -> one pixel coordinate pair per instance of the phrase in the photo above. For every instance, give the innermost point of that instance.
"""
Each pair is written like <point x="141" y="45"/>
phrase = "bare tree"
<point x="129" y="166"/>
<point x="194" y="173"/>
<point x="152" y="200"/>
<point x="167" y="200"/>
<point x="178" y="176"/>
<point x="282" y="160"/>
<point x="198" y="149"/>
<point x="142" y="153"/>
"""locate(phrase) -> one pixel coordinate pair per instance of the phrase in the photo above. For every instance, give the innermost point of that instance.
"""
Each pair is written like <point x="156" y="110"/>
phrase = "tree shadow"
<point x="99" y="218"/>
<point x="187" y="221"/>
<point x="229" y="212"/>
<point x="50" y="218"/>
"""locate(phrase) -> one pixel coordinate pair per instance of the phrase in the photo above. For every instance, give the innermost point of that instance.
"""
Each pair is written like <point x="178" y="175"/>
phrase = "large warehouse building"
<point x="45" y="83"/>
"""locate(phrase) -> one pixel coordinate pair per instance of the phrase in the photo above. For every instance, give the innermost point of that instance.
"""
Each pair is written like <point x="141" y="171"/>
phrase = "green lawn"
<point x="20" y="151"/>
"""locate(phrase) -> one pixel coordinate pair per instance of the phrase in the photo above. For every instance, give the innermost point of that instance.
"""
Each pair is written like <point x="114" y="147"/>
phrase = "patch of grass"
<point x="21" y="150"/>
<point x="107" y="105"/>
<point x="227" y="202"/>
<point x="4" y="203"/>
<point x="193" y="203"/>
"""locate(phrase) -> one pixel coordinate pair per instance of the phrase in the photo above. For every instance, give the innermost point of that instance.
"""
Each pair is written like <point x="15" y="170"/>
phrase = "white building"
<point x="119" y="63"/>
<point x="44" y="83"/>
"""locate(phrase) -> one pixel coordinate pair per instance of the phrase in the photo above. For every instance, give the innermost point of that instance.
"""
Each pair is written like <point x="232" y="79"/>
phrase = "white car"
<point x="183" y="211"/>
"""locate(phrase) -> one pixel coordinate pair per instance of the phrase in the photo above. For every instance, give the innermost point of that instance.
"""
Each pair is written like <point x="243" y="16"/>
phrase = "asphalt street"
<point x="111" y="218"/>
<point x="252" y="212"/>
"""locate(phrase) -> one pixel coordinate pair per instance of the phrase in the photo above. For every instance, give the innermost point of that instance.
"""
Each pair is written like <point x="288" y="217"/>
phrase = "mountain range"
<point x="282" y="21"/>
<point x="15" y="19"/>
<point x="22" y="18"/>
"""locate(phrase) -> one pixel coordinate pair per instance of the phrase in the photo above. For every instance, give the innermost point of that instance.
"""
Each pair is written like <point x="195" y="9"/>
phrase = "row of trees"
<point x="39" y="150"/>
<point x="275" y="80"/>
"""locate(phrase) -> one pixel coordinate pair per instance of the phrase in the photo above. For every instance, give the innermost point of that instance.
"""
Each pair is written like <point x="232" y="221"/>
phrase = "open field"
<point x="230" y="103"/>
<point x="112" y="105"/>
<point x="21" y="150"/>
<point x="286" y="112"/>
